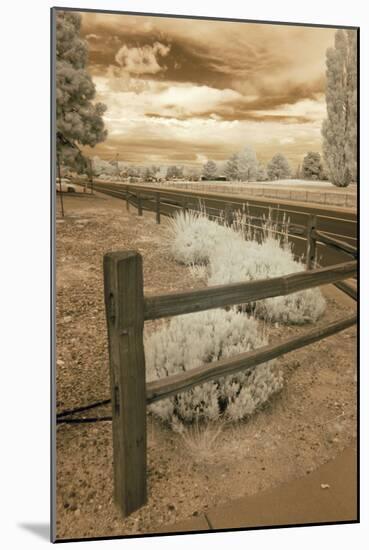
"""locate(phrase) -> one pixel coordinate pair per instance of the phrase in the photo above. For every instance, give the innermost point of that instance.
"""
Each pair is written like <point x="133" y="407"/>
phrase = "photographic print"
<point x="205" y="185"/>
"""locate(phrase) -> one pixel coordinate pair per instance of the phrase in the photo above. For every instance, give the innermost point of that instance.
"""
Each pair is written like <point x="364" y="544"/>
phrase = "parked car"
<point x="65" y="185"/>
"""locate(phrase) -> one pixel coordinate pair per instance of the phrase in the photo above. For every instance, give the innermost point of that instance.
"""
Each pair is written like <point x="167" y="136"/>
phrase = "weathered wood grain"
<point x="123" y="289"/>
<point x="177" y="303"/>
<point x="335" y="243"/>
<point x="347" y="289"/>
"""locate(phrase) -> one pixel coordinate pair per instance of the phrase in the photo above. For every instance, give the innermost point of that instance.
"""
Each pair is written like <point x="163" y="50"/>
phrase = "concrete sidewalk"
<point x="329" y="494"/>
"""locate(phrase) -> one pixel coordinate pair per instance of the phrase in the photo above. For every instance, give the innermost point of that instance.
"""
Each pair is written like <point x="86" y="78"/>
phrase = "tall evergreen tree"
<point x="78" y="120"/>
<point x="351" y="145"/>
<point x="339" y="129"/>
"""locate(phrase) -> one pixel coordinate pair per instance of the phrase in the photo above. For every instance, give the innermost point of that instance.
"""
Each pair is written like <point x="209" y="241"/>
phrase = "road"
<point x="339" y="223"/>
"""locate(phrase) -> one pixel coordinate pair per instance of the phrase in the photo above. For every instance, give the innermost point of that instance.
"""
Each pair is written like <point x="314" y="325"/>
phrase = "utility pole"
<point x="91" y="175"/>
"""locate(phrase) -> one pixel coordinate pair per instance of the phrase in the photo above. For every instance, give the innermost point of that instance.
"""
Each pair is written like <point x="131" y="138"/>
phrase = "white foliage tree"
<point x="312" y="167"/>
<point x="209" y="170"/>
<point x="231" y="167"/>
<point x="242" y="166"/>
<point x="247" y="165"/>
<point x="174" y="172"/>
<point x="150" y="172"/>
<point x="78" y="120"/>
<point x="351" y="144"/>
<point x="102" y="167"/>
<point x="278" y="168"/>
<point x="192" y="173"/>
<point x="339" y="129"/>
<point x="262" y="174"/>
<point x="134" y="171"/>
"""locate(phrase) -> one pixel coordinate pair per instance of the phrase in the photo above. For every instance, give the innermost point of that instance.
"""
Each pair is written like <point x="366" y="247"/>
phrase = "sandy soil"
<point x="307" y="424"/>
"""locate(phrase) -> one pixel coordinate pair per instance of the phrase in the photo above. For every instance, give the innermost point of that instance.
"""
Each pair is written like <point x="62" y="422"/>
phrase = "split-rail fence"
<point x="127" y="309"/>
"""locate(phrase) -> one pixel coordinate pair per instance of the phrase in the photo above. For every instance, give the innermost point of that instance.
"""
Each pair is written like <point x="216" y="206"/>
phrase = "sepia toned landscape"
<point x="206" y="262"/>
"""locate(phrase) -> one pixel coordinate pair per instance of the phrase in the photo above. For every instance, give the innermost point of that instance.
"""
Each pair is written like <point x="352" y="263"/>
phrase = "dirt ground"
<point x="310" y="422"/>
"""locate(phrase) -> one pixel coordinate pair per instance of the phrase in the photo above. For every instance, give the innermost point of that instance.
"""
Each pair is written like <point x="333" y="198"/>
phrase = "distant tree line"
<point x="243" y="167"/>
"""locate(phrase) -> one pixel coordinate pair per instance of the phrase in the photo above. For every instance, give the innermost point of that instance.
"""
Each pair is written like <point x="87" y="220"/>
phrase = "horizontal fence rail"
<point x="315" y="237"/>
<point x="177" y="303"/>
<point x="335" y="243"/>
<point x="348" y="289"/>
<point x="160" y="389"/>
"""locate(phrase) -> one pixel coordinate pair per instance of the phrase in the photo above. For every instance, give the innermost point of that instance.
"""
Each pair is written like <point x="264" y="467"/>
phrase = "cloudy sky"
<point x="183" y="91"/>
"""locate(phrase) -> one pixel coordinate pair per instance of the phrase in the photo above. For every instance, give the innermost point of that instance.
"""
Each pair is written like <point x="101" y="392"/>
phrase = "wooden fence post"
<point x="139" y="203"/>
<point x="124" y="302"/>
<point x="310" y="242"/>
<point x="184" y="205"/>
<point x="157" y="207"/>
<point x="228" y="215"/>
<point x="127" y="197"/>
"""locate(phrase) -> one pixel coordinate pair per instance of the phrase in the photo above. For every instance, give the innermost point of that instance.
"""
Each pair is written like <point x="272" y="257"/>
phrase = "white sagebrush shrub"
<point x="189" y="341"/>
<point x="231" y="262"/>
<point x="225" y="256"/>
<point x="192" y="237"/>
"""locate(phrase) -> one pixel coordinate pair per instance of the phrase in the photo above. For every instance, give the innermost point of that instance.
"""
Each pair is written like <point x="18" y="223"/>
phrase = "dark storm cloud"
<point x="167" y="71"/>
<point x="244" y="57"/>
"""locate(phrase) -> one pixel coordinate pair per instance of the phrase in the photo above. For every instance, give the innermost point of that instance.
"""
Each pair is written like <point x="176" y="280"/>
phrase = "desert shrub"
<point x="233" y="254"/>
<point x="189" y="341"/>
<point x="192" y="236"/>
<point x="231" y="262"/>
